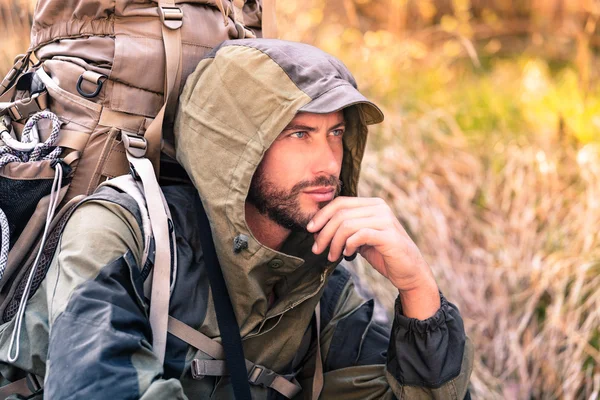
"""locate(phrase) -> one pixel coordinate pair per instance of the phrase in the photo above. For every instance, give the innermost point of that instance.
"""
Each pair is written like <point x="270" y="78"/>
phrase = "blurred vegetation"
<point x="490" y="156"/>
<point x="15" y="23"/>
<point x="516" y="67"/>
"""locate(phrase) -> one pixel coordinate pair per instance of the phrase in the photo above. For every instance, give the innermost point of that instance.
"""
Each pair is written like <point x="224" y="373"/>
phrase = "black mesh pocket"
<point x="44" y="263"/>
<point x="19" y="198"/>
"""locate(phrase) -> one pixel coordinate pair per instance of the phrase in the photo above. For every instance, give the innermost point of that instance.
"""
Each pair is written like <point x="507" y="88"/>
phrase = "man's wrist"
<point x="422" y="302"/>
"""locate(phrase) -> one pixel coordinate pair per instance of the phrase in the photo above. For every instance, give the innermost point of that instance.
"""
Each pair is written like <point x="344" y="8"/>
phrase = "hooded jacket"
<point x="87" y="330"/>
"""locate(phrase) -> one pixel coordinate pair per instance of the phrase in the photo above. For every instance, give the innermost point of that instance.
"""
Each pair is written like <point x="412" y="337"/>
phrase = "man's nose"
<point x="326" y="159"/>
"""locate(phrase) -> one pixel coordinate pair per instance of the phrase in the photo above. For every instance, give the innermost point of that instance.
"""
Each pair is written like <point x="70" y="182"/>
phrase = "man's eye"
<point x="337" y="132"/>
<point x="298" y="135"/>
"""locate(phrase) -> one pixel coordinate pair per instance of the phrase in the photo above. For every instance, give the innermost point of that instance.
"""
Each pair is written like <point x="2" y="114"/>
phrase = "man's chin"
<point x="299" y="222"/>
<point x="309" y="212"/>
<point x="296" y="218"/>
<point x="307" y="216"/>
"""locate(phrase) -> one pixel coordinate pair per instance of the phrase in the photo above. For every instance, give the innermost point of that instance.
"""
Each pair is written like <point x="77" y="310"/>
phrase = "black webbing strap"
<point x="228" y="326"/>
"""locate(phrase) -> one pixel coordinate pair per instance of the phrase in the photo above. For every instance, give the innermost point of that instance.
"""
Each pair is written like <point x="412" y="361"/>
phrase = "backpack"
<point x="94" y="98"/>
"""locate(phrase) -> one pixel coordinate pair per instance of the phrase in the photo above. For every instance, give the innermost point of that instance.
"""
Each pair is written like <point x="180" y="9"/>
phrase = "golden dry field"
<point x="490" y="156"/>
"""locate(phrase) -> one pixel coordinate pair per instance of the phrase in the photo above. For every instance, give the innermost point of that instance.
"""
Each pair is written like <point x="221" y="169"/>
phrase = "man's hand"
<point x="368" y="225"/>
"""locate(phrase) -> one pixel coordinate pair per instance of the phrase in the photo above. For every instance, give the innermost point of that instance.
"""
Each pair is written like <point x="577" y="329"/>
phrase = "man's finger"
<point x="323" y="215"/>
<point x="324" y="236"/>
<point x="349" y="228"/>
<point x="366" y="236"/>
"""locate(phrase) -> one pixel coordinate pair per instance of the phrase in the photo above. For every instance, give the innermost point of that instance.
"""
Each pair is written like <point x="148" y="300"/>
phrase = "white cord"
<point x="5" y="242"/>
<point x="54" y="200"/>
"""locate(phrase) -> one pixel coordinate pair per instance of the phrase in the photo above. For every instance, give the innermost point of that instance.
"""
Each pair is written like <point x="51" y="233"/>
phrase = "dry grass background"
<point x="509" y="223"/>
<point x="15" y="22"/>
<point x="514" y="244"/>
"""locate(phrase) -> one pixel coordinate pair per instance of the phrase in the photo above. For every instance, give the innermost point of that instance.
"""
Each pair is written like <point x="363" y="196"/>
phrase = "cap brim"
<point x="341" y="97"/>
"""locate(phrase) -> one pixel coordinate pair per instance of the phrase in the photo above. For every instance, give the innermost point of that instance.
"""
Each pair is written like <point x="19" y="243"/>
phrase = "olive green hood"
<point x="236" y="103"/>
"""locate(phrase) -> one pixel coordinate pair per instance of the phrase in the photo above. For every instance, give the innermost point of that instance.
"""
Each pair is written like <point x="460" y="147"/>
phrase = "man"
<point x="272" y="134"/>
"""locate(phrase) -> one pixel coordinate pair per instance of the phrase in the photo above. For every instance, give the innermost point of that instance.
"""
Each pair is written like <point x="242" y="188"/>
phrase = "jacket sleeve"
<point x="100" y="336"/>
<point x="363" y="359"/>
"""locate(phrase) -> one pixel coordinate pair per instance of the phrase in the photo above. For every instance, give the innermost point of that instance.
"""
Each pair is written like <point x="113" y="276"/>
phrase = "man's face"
<point x="300" y="172"/>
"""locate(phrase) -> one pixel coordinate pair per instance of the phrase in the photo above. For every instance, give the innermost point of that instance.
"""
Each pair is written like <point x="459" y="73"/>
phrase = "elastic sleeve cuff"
<point x="427" y="353"/>
<point x="421" y="326"/>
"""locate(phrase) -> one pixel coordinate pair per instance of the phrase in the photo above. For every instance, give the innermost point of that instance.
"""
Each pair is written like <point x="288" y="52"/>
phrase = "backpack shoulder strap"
<point x="164" y="237"/>
<point x="128" y="185"/>
<point x="134" y="188"/>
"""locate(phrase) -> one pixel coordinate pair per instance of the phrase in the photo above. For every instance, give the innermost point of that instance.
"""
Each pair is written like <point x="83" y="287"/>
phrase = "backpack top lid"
<point x="123" y="40"/>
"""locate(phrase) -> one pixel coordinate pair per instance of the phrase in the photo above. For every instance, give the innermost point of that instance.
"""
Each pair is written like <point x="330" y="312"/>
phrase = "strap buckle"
<point x="261" y="376"/>
<point x="197" y="373"/>
<point x="23" y="108"/>
<point x="20" y="61"/>
<point x="34" y="384"/>
<point x="171" y="17"/>
<point x="135" y="145"/>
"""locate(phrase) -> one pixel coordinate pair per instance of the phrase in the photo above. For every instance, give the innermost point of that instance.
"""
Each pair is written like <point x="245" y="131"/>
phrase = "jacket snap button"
<point x="240" y="242"/>
<point x="275" y="263"/>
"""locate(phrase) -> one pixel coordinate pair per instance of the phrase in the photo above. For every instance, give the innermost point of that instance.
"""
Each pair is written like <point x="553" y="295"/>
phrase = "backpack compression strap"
<point x="256" y="374"/>
<point x="172" y="17"/>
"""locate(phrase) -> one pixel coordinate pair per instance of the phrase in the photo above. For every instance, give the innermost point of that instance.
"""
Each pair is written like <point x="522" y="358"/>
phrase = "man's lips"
<point x="321" y="193"/>
<point x="321" y="190"/>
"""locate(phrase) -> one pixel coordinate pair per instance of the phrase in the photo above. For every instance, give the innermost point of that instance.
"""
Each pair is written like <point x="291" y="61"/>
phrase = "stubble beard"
<point x="283" y="207"/>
